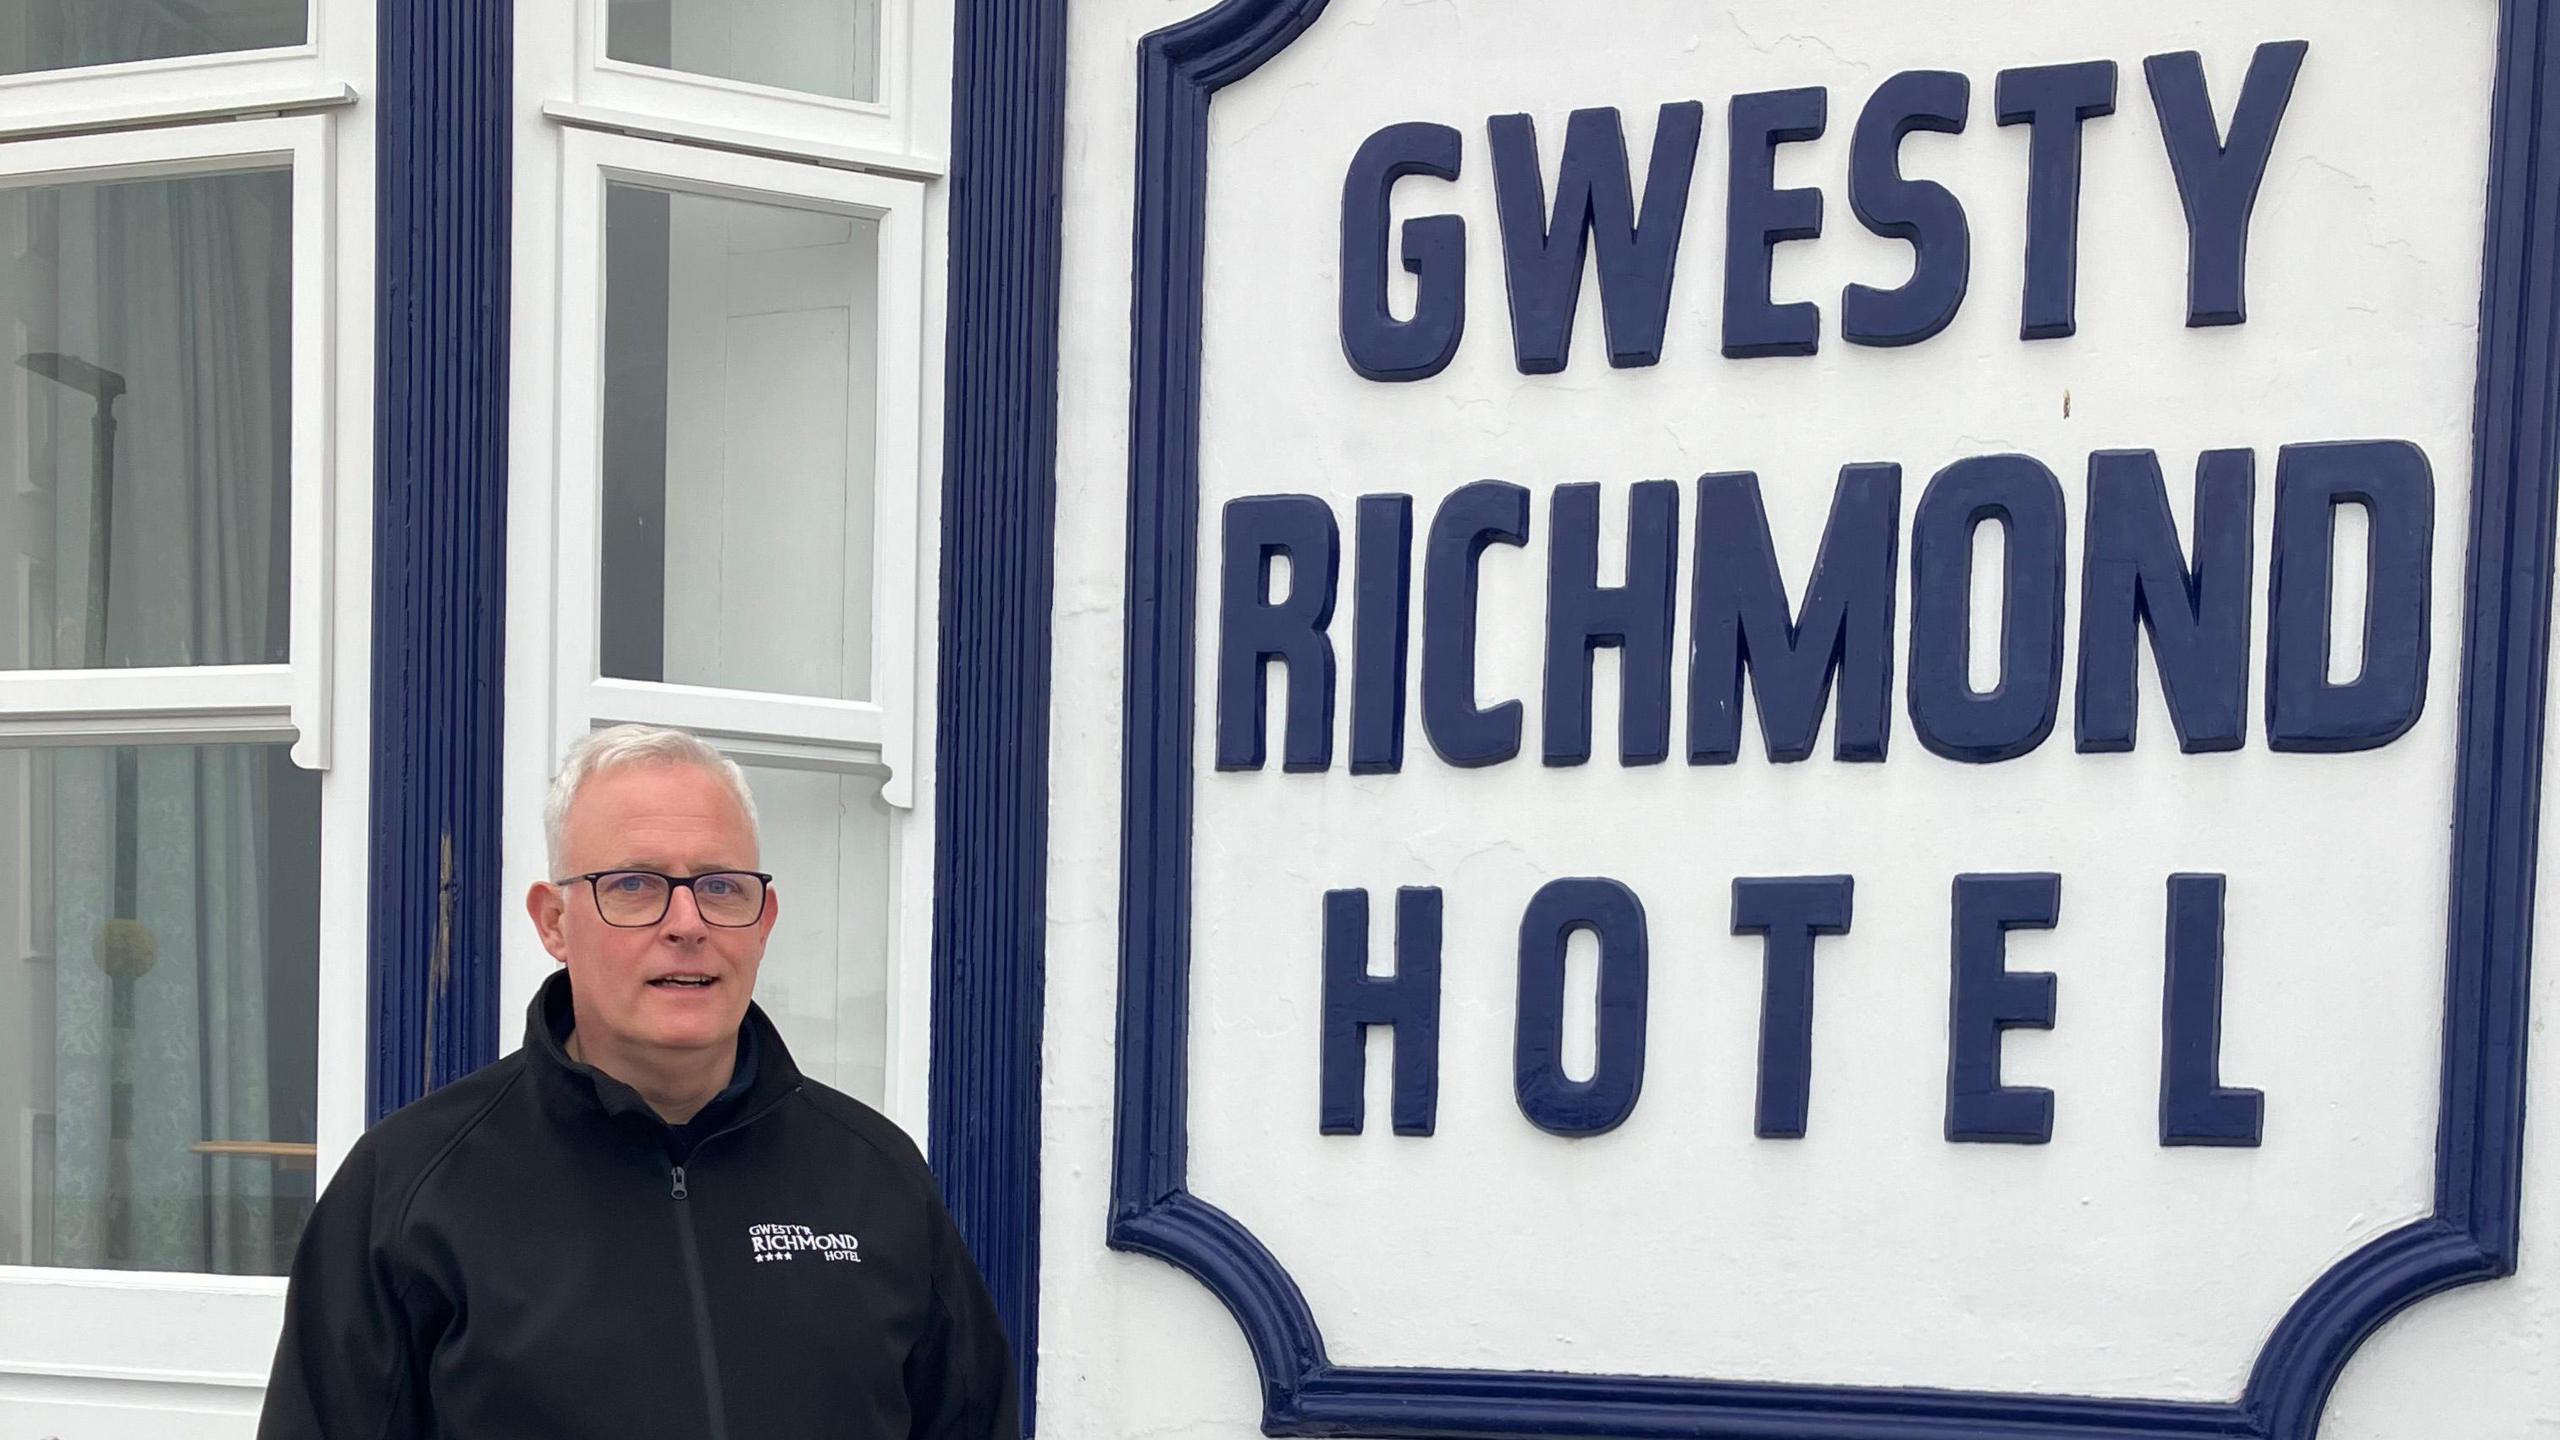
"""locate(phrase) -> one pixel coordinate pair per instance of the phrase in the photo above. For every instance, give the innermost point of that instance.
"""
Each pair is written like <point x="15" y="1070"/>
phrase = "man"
<point x="645" y="1222"/>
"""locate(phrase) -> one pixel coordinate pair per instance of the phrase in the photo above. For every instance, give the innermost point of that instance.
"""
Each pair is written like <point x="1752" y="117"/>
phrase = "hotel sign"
<point x="1833" y="717"/>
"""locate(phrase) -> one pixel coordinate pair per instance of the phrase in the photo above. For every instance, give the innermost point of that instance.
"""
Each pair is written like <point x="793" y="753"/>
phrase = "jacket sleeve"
<point x="960" y="1376"/>
<point x="348" y="1364"/>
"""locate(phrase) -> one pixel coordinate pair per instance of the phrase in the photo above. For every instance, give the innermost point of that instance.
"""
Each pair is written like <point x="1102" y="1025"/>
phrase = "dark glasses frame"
<point x="764" y="895"/>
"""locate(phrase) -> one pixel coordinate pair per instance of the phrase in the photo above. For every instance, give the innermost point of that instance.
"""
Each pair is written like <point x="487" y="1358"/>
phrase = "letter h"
<point x="1407" y="1002"/>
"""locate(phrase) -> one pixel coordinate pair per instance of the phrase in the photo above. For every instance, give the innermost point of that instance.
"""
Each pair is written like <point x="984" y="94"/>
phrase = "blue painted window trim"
<point x="443" y="208"/>
<point x="2472" y="1234"/>
<point x="999" y="540"/>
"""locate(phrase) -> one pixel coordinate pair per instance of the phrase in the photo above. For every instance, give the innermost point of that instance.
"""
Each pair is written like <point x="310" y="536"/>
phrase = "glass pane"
<point x="825" y="979"/>
<point x="740" y="344"/>
<point x="159" y="1032"/>
<point x="60" y="34"/>
<point x="146" y="421"/>
<point x="819" y="47"/>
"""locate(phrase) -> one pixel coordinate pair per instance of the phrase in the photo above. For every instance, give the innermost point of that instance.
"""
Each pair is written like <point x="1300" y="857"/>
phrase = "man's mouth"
<point x="684" y="982"/>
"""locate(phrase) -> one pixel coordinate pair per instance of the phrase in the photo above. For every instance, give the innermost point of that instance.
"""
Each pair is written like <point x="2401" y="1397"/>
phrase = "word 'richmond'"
<point x="2195" y="603"/>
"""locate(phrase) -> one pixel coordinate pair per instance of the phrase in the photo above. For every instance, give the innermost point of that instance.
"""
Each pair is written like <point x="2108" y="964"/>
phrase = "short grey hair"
<point x="619" y="747"/>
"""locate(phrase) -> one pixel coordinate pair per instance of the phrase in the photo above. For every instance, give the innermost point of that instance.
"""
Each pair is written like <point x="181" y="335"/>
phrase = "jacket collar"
<point x="765" y="1064"/>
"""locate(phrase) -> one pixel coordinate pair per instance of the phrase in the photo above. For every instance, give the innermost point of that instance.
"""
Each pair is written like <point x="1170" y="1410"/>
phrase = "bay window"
<point x="183" y="387"/>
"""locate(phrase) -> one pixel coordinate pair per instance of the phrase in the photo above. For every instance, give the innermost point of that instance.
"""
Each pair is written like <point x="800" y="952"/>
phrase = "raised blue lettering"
<point x="1255" y="628"/>
<point x="1759" y="217"/>
<point x="2196" y="1108"/>
<point x="1988" y="999"/>
<point x="2218" y="177"/>
<point x="1406" y="1003"/>
<point x="1788" y="913"/>
<point x="1740" y="624"/>
<point x="1377" y="344"/>
<point x="2393" y="482"/>
<point x="2133" y="574"/>
<point x="1923" y="213"/>
<point x="1542" y="255"/>
<point x="1552" y="1101"/>
<point x="2014" y="716"/>
<point x="1488" y="512"/>
<point x="1382" y="589"/>
<point x="1583" y="615"/>
<point x="2055" y="100"/>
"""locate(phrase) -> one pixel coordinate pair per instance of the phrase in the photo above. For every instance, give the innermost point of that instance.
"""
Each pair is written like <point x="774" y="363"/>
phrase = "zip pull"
<point x="677" y="1189"/>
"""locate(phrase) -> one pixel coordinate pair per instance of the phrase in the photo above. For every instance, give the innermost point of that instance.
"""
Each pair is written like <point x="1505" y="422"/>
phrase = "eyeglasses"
<point x="633" y="899"/>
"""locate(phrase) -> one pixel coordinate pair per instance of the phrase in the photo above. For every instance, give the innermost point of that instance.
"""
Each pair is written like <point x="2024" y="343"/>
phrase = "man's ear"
<point x="544" y="902"/>
<point x="772" y="911"/>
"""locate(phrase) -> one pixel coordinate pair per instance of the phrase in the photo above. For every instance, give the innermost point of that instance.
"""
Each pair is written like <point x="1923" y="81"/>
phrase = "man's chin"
<point x="693" y="1023"/>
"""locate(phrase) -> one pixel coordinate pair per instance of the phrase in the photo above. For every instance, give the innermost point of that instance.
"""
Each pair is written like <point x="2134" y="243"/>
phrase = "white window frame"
<point x="874" y="735"/>
<point x="288" y="702"/>
<point x="760" y="143"/>
<point x="881" y="736"/>
<point x="277" y="80"/>
<point x="882" y="135"/>
<point x="181" y="1346"/>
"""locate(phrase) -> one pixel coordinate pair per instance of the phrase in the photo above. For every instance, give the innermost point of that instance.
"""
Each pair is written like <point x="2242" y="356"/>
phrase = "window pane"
<point x="145" y="421"/>
<point x="820" y="47"/>
<point x="825" y="979"/>
<point x="159" y="976"/>
<point x="740" y="344"/>
<point x="60" y="34"/>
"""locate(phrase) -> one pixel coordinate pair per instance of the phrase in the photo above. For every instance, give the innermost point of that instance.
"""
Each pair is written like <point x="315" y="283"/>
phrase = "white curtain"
<point x="181" y="288"/>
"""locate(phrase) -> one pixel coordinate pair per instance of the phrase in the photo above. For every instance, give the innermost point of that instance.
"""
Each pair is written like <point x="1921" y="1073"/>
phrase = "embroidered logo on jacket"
<point x="789" y="1242"/>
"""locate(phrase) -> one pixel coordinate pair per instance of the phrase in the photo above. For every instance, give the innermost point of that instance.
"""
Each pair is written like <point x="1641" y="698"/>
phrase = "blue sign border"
<point x="2471" y="1235"/>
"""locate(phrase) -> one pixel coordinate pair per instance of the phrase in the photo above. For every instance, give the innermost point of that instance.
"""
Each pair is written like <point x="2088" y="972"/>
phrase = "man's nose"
<point x="683" y="919"/>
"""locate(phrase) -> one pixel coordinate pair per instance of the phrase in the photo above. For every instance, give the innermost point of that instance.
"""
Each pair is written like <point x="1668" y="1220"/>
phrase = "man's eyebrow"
<point x="718" y="867"/>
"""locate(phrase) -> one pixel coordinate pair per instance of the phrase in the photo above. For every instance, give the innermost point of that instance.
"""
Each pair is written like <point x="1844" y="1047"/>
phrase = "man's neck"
<point x="675" y="1087"/>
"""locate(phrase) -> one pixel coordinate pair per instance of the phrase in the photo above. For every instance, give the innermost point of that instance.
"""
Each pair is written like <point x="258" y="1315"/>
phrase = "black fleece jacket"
<point x="520" y="1254"/>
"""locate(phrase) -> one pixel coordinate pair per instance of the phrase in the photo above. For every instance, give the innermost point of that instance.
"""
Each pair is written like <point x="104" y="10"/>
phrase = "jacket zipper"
<point x="679" y="1192"/>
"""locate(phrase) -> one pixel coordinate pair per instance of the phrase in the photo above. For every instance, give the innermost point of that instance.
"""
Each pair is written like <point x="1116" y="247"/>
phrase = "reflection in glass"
<point x="159" y="977"/>
<point x="62" y="34"/>
<point x="817" y="47"/>
<point x="825" y="980"/>
<point x="737" y="448"/>
<point x="145" y="421"/>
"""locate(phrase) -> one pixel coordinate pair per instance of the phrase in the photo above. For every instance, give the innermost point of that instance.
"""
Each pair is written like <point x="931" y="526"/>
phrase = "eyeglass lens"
<point x="640" y="897"/>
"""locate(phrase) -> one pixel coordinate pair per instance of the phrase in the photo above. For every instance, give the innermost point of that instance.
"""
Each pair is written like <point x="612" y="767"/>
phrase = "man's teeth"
<point x="690" y="982"/>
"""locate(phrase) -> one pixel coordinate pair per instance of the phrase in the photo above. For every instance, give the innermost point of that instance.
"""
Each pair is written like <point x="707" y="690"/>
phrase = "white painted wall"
<point x="1873" y="1251"/>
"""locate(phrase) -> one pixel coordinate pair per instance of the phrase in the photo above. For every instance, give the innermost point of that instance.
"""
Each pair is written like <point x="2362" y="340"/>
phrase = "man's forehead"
<point x="645" y="812"/>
